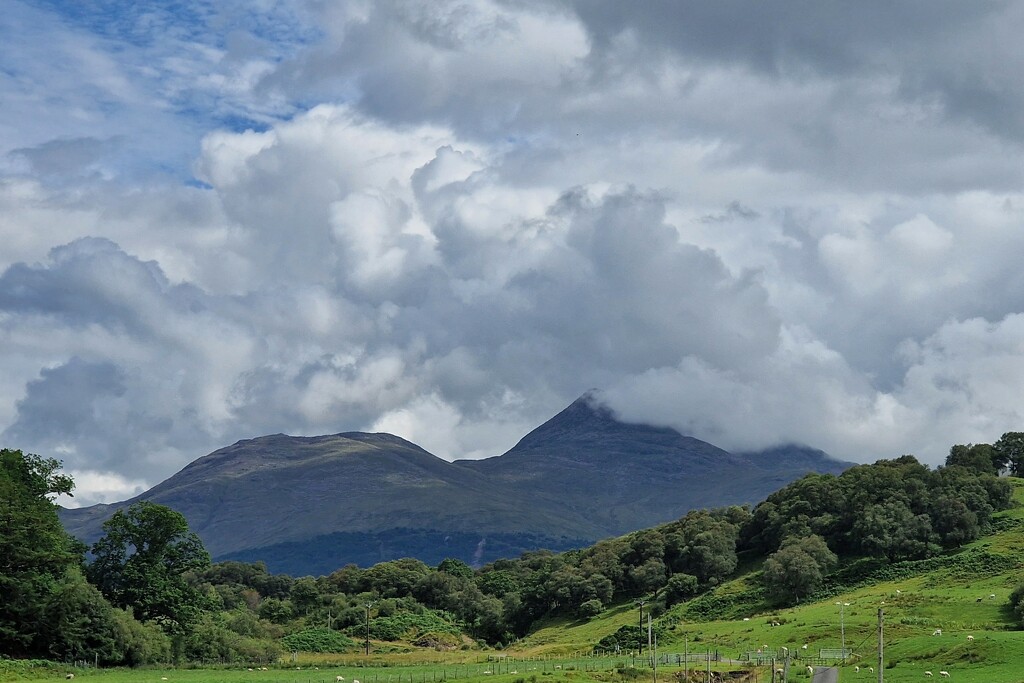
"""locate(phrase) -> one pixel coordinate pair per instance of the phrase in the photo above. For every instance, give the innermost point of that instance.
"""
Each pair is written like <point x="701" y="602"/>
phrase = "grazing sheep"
<point x="992" y="596"/>
<point x="970" y="637"/>
<point x="810" y="670"/>
<point x="937" y="632"/>
<point x="927" y="673"/>
<point x="746" y="618"/>
<point x="70" y="676"/>
<point x="977" y="600"/>
<point x="804" y="646"/>
<point x="339" y="679"/>
<point x="779" y="672"/>
<point x="871" y="669"/>
<point x="856" y="669"/>
<point x="944" y="674"/>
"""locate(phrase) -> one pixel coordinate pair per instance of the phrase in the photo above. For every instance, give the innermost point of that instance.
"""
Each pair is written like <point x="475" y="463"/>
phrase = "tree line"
<point x="147" y="592"/>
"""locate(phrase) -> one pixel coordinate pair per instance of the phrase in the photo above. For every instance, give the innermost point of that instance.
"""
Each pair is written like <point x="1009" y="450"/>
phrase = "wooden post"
<point x="881" y="659"/>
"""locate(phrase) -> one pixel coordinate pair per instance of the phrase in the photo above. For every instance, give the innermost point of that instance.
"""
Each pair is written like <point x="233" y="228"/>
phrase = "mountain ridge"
<point x="355" y="496"/>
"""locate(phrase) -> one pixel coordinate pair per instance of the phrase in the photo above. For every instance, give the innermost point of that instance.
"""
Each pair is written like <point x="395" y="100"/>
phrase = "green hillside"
<point x="964" y="593"/>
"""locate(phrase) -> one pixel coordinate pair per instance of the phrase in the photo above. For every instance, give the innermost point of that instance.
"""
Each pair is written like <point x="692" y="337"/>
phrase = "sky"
<point x="758" y="223"/>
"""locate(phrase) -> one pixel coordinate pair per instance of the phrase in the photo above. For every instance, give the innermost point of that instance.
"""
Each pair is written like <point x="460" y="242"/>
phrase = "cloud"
<point x="755" y="224"/>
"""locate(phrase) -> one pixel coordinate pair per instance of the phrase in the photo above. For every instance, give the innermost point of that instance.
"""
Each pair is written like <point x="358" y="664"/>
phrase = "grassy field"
<point x="963" y="594"/>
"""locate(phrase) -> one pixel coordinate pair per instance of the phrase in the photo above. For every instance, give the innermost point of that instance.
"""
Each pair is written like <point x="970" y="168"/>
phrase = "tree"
<point x="1010" y="451"/>
<point x="455" y="567"/>
<point x="142" y="560"/>
<point x="981" y="458"/>
<point x="797" y="569"/>
<point x="680" y="587"/>
<point x="35" y="552"/>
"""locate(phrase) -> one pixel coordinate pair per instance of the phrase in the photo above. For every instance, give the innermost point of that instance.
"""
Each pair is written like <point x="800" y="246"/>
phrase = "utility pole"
<point x="842" y="628"/>
<point x="368" y="605"/>
<point x="654" y="667"/>
<point x="641" y="602"/>
<point x="686" y="660"/>
<point x="648" y="631"/>
<point x="881" y="660"/>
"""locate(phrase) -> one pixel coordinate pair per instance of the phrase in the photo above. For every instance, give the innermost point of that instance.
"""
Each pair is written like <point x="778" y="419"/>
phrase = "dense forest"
<point x="147" y="592"/>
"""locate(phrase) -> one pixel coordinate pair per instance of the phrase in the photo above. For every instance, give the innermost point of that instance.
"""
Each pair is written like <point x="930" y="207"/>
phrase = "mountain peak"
<point x="588" y="417"/>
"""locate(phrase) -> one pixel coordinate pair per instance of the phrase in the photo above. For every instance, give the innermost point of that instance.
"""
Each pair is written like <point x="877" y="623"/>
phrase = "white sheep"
<point x="937" y="632"/>
<point x="970" y="637"/>
<point x="856" y="669"/>
<point x="944" y="674"/>
<point x="871" y="669"/>
<point x="810" y="669"/>
<point x="927" y="673"/>
<point x="70" y="676"/>
<point x="339" y="679"/>
<point x="804" y="646"/>
<point x="779" y="672"/>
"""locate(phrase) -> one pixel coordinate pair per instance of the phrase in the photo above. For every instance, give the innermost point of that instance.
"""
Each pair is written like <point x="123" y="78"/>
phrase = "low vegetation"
<point x="935" y="549"/>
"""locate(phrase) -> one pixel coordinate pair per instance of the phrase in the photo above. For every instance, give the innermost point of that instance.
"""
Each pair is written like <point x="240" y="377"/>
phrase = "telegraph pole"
<point x="368" y="605"/>
<point x="881" y="660"/>
<point x="641" y="602"/>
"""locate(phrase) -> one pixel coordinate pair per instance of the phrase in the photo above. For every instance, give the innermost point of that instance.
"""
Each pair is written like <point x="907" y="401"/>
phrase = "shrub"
<point x="317" y="640"/>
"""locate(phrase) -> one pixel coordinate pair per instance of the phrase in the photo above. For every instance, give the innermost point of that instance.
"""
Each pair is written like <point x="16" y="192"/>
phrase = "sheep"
<point x="856" y="669"/>
<point x="871" y="669"/>
<point x="944" y="674"/>
<point x="70" y="676"/>
<point x="338" y="679"/>
<point x="779" y="672"/>
<point x="937" y="632"/>
<point x="992" y="596"/>
<point x="927" y="673"/>
<point x="970" y="637"/>
<point x="804" y="646"/>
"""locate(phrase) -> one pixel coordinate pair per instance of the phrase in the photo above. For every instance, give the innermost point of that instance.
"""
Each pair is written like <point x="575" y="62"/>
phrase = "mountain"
<point x="308" y="505"/>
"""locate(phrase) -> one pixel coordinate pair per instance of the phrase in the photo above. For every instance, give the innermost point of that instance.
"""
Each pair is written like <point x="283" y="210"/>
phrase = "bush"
<point x="317" y="640"/>
<point x="590" y="609"/>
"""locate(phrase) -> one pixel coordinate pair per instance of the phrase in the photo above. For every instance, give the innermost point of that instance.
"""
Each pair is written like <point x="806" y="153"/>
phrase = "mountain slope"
<point x="641" y="475"/>
<point x="311" y="504"/>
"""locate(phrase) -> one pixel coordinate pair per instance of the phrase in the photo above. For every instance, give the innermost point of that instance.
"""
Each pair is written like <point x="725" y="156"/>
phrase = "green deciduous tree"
<point x="142" y="561"/>
<point x="1010" y="451"/>
<point x="797" y="569"/>
<point x="35" y="553"/>
<point x="981" y="458"/>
